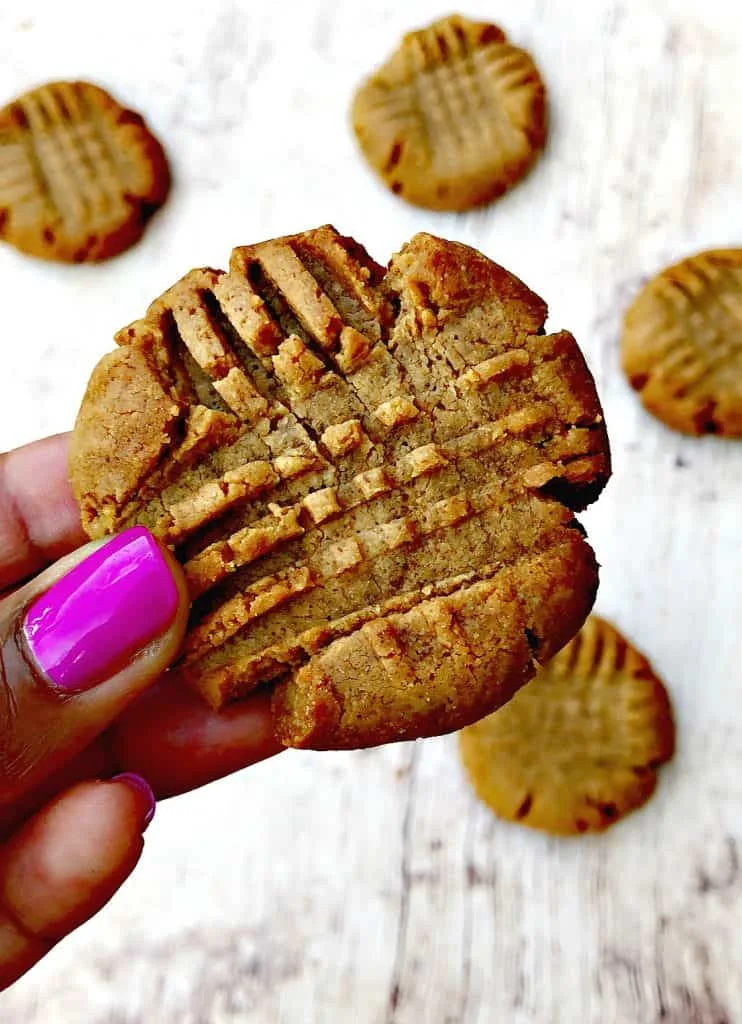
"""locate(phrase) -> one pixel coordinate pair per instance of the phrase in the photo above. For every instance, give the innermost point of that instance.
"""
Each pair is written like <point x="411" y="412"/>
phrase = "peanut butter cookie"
<point x="368" y="475"/>
<point x="580" y="746"/>
<point x="80" y="176"/>
<point x="682" y="344"/>
<point x="454" y="118"/>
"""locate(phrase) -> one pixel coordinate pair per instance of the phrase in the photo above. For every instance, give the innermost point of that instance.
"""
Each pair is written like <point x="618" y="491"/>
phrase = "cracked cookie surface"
<point x="80" y="175"/>
<point x="581" y="745"/>
<point x="454" y="118"/>
<point x="682" y="344"/>
<point x="368" y="475"/>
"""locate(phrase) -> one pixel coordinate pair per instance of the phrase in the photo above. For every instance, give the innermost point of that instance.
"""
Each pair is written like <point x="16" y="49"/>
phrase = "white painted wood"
<point x="370" y="886"/>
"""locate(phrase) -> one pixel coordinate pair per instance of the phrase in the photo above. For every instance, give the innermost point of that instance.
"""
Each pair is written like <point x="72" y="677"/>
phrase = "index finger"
<point x="39" y="518"/>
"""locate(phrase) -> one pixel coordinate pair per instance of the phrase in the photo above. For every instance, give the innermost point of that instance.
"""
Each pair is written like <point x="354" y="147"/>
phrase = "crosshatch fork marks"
<point x="347" y="439"/>
<point x="682" y="344"/>
<point x="454" y="117"/>
<point x="79" y="175"/>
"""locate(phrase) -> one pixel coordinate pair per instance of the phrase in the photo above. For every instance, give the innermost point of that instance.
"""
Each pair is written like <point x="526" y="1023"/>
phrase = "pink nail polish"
<point x="144" y="789"/>
<point x="90" y="623"/>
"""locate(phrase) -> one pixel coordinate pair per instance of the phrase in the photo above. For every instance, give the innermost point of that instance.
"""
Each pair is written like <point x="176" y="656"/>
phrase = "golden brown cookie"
<point x="579" y="747"/>
<point x="367" y="474"/>
<point x="80" y="175"/>
<point x="682" y="344"/>
<point x="455" y="117"/>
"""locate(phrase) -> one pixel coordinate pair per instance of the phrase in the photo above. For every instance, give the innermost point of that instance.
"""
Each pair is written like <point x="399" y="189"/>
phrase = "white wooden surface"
<point x="371" y="886"/>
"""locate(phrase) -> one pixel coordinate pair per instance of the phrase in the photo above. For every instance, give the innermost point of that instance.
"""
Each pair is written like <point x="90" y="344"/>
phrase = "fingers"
<point x="173" y="739"/>
<point x="177" y="743"/>
<point x="39" y="518"/>
<point x="65" y="864"/>
<point x="77" y="645"/>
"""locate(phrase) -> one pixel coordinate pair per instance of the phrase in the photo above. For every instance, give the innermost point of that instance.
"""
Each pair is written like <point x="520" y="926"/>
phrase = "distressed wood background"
<point x="371" y="886"/>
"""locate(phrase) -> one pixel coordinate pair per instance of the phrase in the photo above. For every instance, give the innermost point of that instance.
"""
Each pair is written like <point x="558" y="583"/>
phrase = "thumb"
<point x="77" y="644"/>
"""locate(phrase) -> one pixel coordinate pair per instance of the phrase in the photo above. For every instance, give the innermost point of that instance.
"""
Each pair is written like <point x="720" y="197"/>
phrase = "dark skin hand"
<point x="68" y="837"/>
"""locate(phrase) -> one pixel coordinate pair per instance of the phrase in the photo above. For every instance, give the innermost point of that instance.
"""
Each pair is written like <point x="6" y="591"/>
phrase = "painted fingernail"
<point x="90" y="623"/>
<point x="143" y="788"/>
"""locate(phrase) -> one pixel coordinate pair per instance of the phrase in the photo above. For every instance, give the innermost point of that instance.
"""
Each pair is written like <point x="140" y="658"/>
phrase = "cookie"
<point x="80" y="175"/>
<point x="454" y="118"/>
<point x="368" y="476"/>
<point x="580" y="746"/>
<point x="682" y="344"/>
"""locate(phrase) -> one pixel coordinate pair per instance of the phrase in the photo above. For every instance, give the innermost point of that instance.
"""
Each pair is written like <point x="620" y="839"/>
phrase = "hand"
<point x="81" y="647"/>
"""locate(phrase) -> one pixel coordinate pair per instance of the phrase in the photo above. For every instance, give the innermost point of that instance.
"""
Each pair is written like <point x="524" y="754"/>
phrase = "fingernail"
<point x="90" y="623"/>
<point x="144" y="789"/>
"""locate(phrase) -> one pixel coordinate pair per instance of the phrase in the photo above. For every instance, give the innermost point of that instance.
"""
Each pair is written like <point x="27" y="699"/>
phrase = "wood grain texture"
<point x="371" y="886"/>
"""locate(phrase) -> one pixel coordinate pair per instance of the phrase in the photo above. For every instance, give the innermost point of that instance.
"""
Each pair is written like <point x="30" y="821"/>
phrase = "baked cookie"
<point x="368" y="476"/>
<point x="579" y="747"/>
<point x="454" y="118"/>
<point x="80" y="176"/>
<point x="682" y="344"/>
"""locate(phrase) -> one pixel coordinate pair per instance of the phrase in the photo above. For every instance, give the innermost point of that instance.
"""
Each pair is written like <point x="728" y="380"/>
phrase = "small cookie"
<point x="455" y="117"/>
<point x="368" y="476"/>
<point x="682" y="344"/>
<point x="80" y="175"/>
<point x="579" y="747"/>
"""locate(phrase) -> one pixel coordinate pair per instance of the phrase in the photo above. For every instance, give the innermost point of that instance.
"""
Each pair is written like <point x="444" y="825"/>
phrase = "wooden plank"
<point x="371" y="886"/>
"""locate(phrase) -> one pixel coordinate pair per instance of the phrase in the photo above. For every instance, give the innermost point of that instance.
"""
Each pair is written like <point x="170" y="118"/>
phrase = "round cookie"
<point x="368" y="475"/>
<point x="80" y="175"/>
<point x="454" y="118"/>
<point x="682" y="344"/>
<point x="579" y="747"/>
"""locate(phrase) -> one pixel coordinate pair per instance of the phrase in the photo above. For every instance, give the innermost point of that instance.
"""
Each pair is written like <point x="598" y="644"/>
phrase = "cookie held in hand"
<point x="682" y="344"/>
<point x="581" y="745"/>
<point x="80" y="176"/>
<point x="369" y="476"/>
<point x="454" y="118"/>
